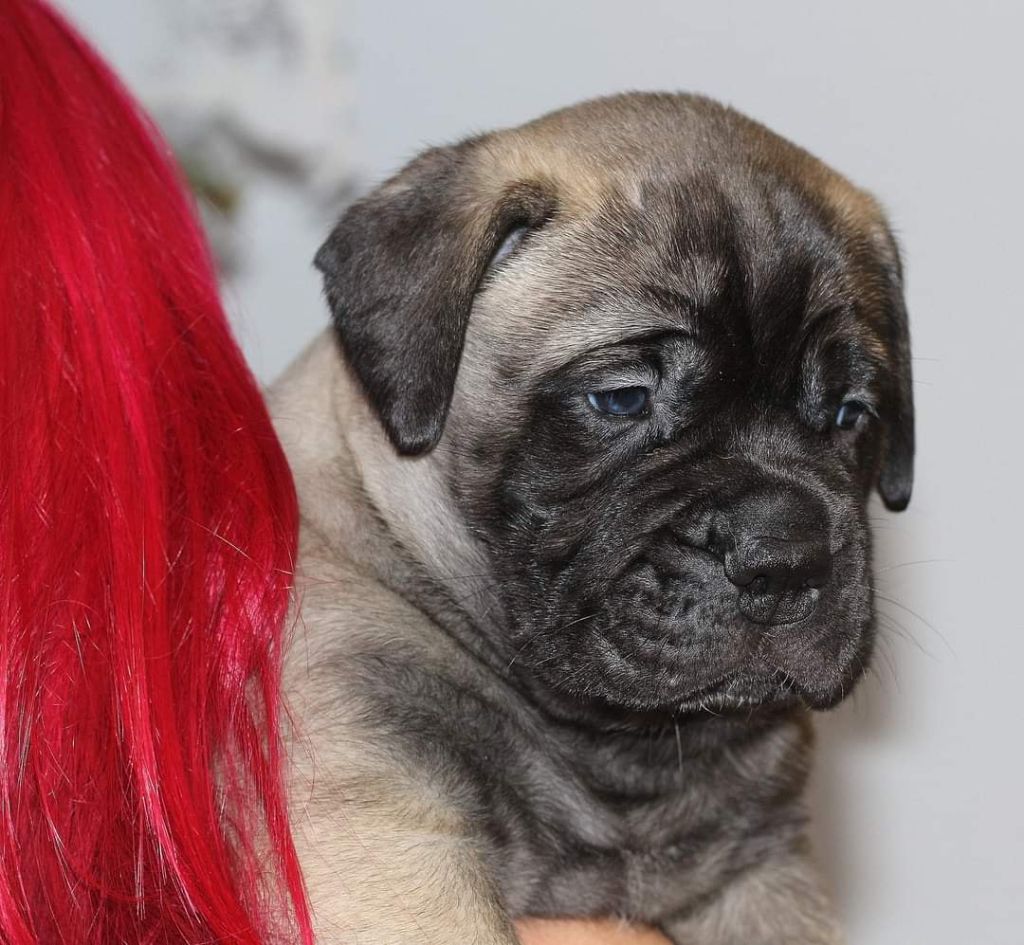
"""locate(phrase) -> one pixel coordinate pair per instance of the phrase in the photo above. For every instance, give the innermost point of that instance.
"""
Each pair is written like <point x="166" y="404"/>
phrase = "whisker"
<point x="913" y="613"/>
<point x="914" y="564"/>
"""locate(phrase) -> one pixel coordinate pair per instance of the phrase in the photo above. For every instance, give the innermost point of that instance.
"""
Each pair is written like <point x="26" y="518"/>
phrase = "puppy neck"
<point x="387" y="515"/>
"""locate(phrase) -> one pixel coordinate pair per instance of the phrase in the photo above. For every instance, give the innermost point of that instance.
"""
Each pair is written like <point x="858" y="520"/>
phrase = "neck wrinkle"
<point x="390" y="548"/>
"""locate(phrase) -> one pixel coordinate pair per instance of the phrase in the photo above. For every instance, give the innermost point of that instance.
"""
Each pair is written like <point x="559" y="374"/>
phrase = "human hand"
<point x="586" y="932"/>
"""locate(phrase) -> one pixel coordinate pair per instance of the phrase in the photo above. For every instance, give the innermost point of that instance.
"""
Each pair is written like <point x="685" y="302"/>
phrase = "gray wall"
<point x="919" y="783"/>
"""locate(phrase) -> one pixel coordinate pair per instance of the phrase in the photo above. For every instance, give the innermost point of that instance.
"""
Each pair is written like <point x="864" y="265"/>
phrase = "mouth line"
<point x="771" y="689"/>
<point x="788" y="608"/>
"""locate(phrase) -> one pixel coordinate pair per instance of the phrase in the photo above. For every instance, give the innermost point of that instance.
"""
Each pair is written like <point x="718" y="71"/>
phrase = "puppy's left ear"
<point x="896" y="476"/>
<point x="400" y="272"/>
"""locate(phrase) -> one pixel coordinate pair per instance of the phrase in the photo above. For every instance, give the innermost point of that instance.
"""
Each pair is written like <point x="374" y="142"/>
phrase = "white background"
<point x="920" y="780"/>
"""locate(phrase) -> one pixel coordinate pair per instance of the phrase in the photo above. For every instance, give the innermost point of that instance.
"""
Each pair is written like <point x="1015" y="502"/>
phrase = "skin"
<point x="565" y="932"/>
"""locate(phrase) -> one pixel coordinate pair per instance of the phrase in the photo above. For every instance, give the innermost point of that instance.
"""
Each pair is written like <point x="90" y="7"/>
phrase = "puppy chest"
<point x="662" y="869"/>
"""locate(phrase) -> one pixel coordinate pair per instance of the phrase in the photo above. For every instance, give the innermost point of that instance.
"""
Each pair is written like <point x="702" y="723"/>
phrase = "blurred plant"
<point x="252" y="92"/>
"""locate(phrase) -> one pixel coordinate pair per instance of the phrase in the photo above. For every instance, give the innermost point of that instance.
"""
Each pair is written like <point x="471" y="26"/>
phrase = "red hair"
<point x="147" y="536"/>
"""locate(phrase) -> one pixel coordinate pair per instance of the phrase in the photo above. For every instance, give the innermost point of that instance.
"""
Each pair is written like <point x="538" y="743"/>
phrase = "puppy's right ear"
<point x="400" y="272"/>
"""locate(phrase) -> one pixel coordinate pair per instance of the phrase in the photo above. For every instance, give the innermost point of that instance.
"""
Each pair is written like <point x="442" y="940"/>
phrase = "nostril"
<point x="760" y="585"/>
<point x="740" y="573"/>
<point x="817" y="581"/>
<point x="814" y="570"/>
<point x="765" y="565"/>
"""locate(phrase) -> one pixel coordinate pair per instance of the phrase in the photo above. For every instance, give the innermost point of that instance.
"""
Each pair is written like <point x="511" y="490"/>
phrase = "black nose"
<point x="778" y="556"/>
<point x="769" y="564"/>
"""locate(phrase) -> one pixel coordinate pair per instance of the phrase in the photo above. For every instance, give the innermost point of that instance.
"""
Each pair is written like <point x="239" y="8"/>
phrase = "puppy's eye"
<point x="850" y="413"/>
<point x="622" y="402"/>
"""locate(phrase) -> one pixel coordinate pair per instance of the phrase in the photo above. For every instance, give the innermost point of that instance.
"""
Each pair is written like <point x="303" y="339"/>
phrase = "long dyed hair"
<point x="147" y="535"/>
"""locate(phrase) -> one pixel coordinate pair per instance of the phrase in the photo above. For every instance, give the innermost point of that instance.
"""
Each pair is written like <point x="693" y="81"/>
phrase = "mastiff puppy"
<point x="584" y="464"/>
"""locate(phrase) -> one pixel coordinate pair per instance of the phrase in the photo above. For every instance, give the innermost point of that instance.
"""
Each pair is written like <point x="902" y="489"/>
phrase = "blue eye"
<point x="623" y="402"/>
<point x="849" y="413"/>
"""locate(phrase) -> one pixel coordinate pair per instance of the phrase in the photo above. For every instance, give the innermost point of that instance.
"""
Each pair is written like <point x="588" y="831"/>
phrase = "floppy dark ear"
<point x="400" y="272"/>
<point x="896" y="476"/>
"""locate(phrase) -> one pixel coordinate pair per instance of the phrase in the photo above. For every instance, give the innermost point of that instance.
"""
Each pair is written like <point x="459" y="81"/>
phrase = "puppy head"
<point x="664" y="356"/>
